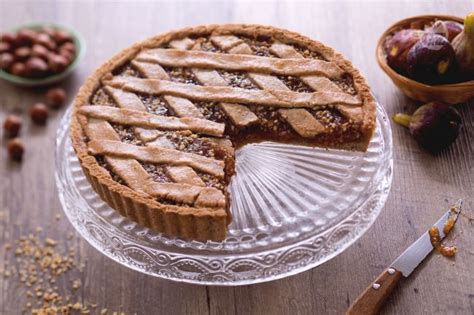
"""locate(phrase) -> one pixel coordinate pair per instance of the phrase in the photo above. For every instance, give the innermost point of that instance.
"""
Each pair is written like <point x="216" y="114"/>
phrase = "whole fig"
<point x="397" y="48"/>
<point x="447" y="29"/>
<point x="431" y="60"/>
<point x="434" y="125"/>
<point x="463" y="46"/>
<point x="454" y="28"/>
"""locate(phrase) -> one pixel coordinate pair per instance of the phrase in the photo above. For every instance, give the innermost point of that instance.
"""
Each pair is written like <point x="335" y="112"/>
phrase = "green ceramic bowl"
<point x="32" y="82"/>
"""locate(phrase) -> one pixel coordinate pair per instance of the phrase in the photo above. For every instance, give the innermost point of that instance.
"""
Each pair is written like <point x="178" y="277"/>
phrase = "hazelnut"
<point x="68" y="46"/>
<point x="8" y="38"/>
<point x="25" y="37"/>
<point x="6" y="60"/>
<point x="36" y="67"/>
<point x="61" y="37"/>
<point x="15" y="149"/>
<point x="22" y="53"/>
<point x="5" y="47"/>
<point x="39" y="113"/>
<point x="57" y="63"/>
<point x="69" y="56"/>
<point x="12" y="126"/>
<point x="46" y="40"/>
<point x="56" y="97"/>
<point x="48" y="30"/>
<point x="18" y="69"/>
<point x="39" y="51"/>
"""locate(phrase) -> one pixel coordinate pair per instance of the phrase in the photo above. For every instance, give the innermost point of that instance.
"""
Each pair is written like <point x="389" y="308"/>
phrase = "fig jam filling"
<point x="190" y="143"/>
<point x="207" y="45"/>
<point x="156" y="105"/>
<point x="346" y="84"/>
<point x="127" y="70"/>
<point x="126" y="134"/>
<point x="211" y="181"/>
<point x="296" y="84"/>
<point x="157" y="172"/>
<point x="305" y="52"/>
<point x="211" y="111"/>
<point x="181" y="75"/>
<point x="237" y="79"/>
<point x="270" y="120"/>
<point x="336" y="124"/>
<point x="100" y="97"/>
<point x="101" y="161"/>
<point x="260" y="45"/>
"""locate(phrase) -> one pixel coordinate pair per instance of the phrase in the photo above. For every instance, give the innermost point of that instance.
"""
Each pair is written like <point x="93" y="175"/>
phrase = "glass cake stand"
<point x="293" y="208"/>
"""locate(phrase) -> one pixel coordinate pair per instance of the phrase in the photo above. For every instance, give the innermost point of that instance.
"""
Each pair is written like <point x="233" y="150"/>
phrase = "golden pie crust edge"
<point x="191" y="223"/>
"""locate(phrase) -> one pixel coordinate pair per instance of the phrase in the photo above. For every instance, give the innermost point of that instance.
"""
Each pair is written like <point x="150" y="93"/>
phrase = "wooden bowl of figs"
<point x="430" y="57"/>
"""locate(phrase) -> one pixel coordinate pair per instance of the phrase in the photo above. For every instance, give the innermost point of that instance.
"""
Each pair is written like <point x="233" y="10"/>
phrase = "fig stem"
<point x="402" y="119"/>
<point x="469" y="25"/>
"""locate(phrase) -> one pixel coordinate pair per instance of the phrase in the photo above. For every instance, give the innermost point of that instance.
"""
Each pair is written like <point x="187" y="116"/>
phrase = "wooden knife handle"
<point x="372" y="299"/>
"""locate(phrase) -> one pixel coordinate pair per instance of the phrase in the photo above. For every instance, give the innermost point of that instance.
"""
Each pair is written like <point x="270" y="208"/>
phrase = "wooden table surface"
<point x="423" y="185"/>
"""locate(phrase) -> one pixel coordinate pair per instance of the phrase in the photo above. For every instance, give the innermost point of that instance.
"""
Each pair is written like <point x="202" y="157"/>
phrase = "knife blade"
<point x="372" y="299"/>
<point x="414" y="255"/>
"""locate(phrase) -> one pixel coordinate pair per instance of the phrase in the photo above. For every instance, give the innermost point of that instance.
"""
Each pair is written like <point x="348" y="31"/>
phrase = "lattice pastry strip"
<point x="236" y="62"/>
<point x="318" y="83"/>
<point x="277" y="98"/>
<point x="299" y="119"/>
<point x="182" y="107"/>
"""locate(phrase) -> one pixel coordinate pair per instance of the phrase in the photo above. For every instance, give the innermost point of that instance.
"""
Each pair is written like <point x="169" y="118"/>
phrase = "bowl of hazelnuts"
<point x="39" y="54"/>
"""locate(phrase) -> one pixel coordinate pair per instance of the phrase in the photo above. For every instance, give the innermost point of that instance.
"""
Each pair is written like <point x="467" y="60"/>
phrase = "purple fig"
<point x="447" y="29"/>
<point x="431" y="60"/>
<point x="398" y="46"/>
<point x="434" y="125"/>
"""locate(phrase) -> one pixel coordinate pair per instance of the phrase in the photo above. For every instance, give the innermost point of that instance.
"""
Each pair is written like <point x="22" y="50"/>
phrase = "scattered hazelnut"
<point x="5" y="47"/>
<point x="12" y="126"/>
<point x="36" y="67"/>
<point x="39" y="113"/>
<point x="22" y="53"/>
<point x="39" y="51"/>
<point x="57" y="63"/>
<point x="56" y="97"/>
<point x="18" y="69"/>
<point x="8" y="38"/>
<point x="6" y="60"/>
<point x="15" y="149"/>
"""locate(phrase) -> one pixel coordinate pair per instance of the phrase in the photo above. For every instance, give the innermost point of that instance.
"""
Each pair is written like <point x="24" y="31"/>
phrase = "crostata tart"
<point x="155" y="128"/>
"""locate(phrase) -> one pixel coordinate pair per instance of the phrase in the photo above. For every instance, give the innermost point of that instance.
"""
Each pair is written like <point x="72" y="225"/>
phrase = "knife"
<point x="372" y="299"/>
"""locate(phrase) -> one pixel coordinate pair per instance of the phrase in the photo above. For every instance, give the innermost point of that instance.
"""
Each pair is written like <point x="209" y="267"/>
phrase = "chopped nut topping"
<point x="237" y="79"/>
<point x="101" y="97"/>
<point x="155" y="105"/>
<point x="182" y="75"/>
<point x="295" y="84"/>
